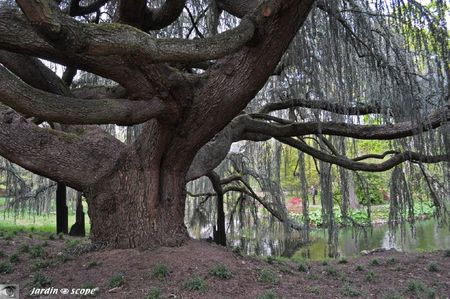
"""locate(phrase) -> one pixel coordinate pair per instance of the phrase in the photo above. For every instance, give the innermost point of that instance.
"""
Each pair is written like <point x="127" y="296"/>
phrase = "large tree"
<point x="188" y="95"/>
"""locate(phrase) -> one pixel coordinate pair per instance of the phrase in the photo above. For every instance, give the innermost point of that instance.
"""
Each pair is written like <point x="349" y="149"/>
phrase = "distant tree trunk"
<point x="219" y="234"/>
<point x="61" y="209"/>
<point x="78" y="229"/>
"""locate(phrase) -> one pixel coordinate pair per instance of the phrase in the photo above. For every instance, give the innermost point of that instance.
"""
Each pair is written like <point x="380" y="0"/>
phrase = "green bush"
<point x="15" y="258"/>
<point x="359" y="268"/>
<point x="416" y="287"/>
<point x="303" y="267"/>
<point x="370" y="276"/>
<point x="160" y="271"/>
<point x="270" y="294"/>
<point x="221" y="271"/>
<point x="268" y="276"/>
<point x="5" y="268"/>
<point x="154" y="293"/>
<point x="433" y="267"/>
<point x="343" y="260"/>
<point x="348" y="291"/>
<point x="375" y="262"/>
<point x="40" y="265"/>
<point x="40" y="280"/>
<point x="196" y="283"/>
<point x="37" y="251"/>
<point x="117" y="280"/>
<point x="330" y="271"/>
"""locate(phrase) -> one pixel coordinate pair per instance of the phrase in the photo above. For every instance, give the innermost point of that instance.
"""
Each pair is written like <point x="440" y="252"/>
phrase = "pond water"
<point x="426" y="235"/>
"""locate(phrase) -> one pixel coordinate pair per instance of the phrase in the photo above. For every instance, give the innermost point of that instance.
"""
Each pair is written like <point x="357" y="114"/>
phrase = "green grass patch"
<point x="154" y="293"/>
<point x="15" y="258"/>
<point x="371" y="276"/>
<point x="117" y="280"/>
<point x="267" y="276"/>
<point x="196" y="283"/>
<point x="160" y="271"/>
<point x="5" y="268"/>
<point x="221" y="271"/>
<point x="37" y="251"/>
<point x="375" y="262"/>
<point x="433" y="267"/>
<point x="349" y="291"/>
<point x="39" y="280"/>
<point x="269" y="294"/>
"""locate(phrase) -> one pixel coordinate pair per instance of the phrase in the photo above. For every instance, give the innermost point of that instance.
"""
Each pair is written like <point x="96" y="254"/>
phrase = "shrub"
<point x="37" y="251"/>
<point x="303" y="267"/>
<point x="416" y="287"/>
<point x="5" y="268"/>
<point x="370" y="276"/>
<point x="15" y="258"/>
<point x="330" y="271"/>
<point x="195" y="283"/>
<point x="268" y="276"/>
<point x="221" y="271"/>
<point x="40" y="265"/>
<point x="270" y="294"/>
<point x="40" y="280"/>
<point x="160" y="271"/>
<point x="447" y="253"/>
<point x="154" y="293"/>
<point x="433" y="267"/>
<point x="117" y="280"/>
<point x="375" y="262"/>
<point x="392" y="261"/>
<point x="72" y="243"/>
<point x="350" y="292"/>
<point x="359" y="268"/>
<point x="343" y="261"/>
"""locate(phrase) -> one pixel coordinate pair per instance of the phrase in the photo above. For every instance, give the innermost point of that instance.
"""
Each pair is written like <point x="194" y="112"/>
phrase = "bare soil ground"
<point x="387" y="274"/>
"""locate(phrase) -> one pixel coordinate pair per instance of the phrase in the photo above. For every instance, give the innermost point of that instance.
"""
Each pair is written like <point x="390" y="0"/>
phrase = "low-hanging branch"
<point x="355" y="165"/>
<point x="100" y="40"/>
<point x="63" y="109"/>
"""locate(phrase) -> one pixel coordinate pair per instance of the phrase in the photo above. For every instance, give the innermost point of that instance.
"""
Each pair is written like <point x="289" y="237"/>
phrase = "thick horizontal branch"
<point x="62" y="109"/>
<point x="374" y="132"/>
<point x="16" y="35"/>
<point x="358" y="109"/>
<point x="354" y="165"/>
<point x="75" y="159"/>
<point x="103" y="40"/>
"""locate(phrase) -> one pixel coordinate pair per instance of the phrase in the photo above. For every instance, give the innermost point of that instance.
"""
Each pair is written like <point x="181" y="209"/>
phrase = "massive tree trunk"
<point x="138" y="207"/>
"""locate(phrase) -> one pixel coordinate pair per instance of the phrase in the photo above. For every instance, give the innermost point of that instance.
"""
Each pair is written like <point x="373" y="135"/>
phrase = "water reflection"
<point x="271" y="239"/>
